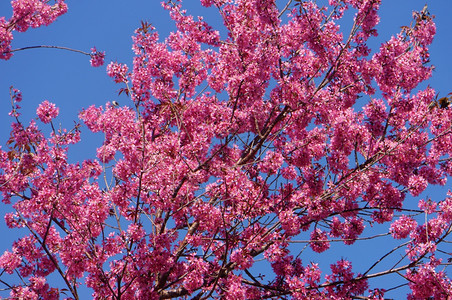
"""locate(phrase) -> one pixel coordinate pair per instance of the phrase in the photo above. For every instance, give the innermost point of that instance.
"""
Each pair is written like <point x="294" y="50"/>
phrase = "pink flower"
<point x="272" y="162"/>
<point x="10" y="261"/>
<point x="38" y="283"/>
<point x="319" y="241"/>
<point x="207" y="3"/>
<point x="417" y="184"/>
<point x="97" y="57"/>
<point x="289" y="222"/>
<point x="352" y="228"/>
<point x="135" y="231"/>
<point x="402" y="227"/>
<point x="242" y="259"/>
<point x="289" y="172"/>
<point x="194" y="279"/>
<point x="20" y="292"/>
<point x="47" y="111"/>
<point x="106" y="153"/>
<point x="235" y="289"/>
<point x="5" y="40"/>
<point x="377" y="294"/>
<point x="118" y="72"/>
<point x="428" y="206"/>
<point x="446" y="209"/>
<point x="427" y="283"/>
<point x="342" y="271"/>
<point x="35" y="13"/>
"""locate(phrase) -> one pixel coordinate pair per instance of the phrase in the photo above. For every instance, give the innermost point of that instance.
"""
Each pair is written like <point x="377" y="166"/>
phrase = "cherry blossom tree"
<point x="285" y="136"/>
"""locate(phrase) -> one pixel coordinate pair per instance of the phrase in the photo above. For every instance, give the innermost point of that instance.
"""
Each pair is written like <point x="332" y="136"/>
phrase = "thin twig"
<point x="50" y="47"/>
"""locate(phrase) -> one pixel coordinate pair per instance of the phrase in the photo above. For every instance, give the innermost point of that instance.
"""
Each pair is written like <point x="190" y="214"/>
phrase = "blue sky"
<point x="67" y="79"/>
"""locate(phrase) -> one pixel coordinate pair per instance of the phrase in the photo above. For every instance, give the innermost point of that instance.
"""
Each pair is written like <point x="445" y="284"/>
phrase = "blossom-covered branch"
<point x="239" y="153"/>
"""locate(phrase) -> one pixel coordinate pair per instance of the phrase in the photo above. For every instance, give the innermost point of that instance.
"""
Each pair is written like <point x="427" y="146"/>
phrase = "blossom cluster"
<point x="26" y="14"/>
<point x="118" y="72"/>
<point x="97" y="57"/>
<point x="47" y="111"/>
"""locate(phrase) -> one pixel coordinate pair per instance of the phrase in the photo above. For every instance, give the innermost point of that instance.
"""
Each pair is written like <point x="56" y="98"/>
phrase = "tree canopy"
<point x="236" y="155"/>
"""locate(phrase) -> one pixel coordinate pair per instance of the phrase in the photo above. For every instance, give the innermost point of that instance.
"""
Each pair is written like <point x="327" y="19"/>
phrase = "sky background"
<point x="68" y="80"/>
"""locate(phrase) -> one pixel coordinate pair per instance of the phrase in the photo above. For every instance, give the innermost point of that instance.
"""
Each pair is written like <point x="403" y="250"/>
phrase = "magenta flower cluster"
<point x="26" y="14"/>
<point x="47" y="111"/>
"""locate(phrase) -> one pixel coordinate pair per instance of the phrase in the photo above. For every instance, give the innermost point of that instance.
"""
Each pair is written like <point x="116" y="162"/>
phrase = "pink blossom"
<point x="5" y="40"/>
<point x="135" y="232"/>
<point x="10" y="261"/>
<point x="377" y="114"/>
<point x="402" y="227"/>
<point x="352" y="228"/>
<point x="425" y="30"/>
<point x="47" y="111"/>
<point x="319" y="241"/>
<point x="207" y="3"/>
<point x="342" y="271"/>
<point x="38" y="283"/>
<point x="289" y="172"/>
<point x="289" y="222"/>
<point x="271" y="162"/>
<point x="235" y="289"/>
<point x="91" y="116"/>
<point x="425" y="282"/>
<point x="27" y="13"/>
<point x="97" y="57"/>
<point x="118" y="72"/>
<point x="35" y="13"/>
<point x="194" y="280"/>
<point x="242" y="259"/>
<point x="23" y="293"/>
<point x="377" y="294"/>
<point x="428" y="205"/>
<point x="446" y="209"/>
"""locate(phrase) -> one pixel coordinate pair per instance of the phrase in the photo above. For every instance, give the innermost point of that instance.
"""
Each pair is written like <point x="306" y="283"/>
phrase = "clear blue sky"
<point x="67" y="79"/>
